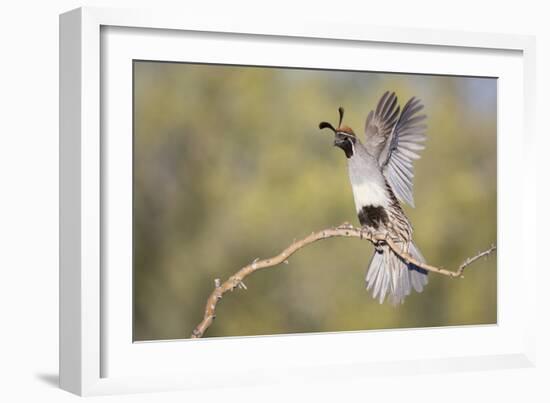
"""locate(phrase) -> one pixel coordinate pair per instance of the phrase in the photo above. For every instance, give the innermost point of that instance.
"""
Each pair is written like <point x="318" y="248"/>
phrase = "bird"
<point x="380" y="171"/>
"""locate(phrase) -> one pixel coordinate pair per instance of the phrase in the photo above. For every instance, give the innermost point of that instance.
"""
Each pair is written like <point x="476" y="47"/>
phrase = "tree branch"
<point x="345" y="230"/>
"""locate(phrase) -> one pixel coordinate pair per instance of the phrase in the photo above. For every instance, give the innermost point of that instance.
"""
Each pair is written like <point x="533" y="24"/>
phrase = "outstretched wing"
<point x="394" y="139"/>
<point x="380" y="124"/>
<point x="396" y="159"/>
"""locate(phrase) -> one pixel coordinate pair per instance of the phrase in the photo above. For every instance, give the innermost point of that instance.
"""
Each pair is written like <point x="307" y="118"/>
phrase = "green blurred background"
<point x="230" y="165"/>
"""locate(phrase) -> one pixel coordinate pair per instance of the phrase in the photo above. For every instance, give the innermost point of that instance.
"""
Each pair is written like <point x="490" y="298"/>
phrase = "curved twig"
<point x="345" y="230"/>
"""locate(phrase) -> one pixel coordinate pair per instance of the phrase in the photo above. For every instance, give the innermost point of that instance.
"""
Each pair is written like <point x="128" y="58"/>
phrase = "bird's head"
<point x="344" y="137"/>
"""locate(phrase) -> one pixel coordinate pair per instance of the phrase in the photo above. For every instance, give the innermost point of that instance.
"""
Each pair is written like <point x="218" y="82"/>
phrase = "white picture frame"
<point x="96" y="354"/>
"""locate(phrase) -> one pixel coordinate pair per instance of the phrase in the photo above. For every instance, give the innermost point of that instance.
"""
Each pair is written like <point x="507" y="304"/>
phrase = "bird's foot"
<point x="380" y="239"/>
<point x="379" y="236"/>
<point x="366" y="233"/>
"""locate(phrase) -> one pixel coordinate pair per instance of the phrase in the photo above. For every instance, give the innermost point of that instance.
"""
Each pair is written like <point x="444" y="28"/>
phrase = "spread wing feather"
<point x="380" y="123"/>
<point x="395" y="141"/>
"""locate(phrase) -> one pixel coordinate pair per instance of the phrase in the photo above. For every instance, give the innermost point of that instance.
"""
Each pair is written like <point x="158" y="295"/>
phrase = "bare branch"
<point x="345" y="230"/>
<point x="472" y="259"/>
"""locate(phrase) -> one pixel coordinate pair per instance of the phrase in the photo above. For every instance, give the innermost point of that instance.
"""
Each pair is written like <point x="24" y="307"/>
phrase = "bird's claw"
<point x="378" y="243"/>
<point x="365" y="233"/>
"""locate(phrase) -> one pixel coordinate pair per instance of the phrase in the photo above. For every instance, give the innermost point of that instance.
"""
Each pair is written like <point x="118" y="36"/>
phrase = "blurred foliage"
<point x="230" y="165"/>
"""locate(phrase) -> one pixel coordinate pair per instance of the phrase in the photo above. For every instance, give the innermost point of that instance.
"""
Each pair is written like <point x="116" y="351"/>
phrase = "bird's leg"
<point x="365" y="232"/>
<point x="370" y="234"/>
<point x="379" y="243"/>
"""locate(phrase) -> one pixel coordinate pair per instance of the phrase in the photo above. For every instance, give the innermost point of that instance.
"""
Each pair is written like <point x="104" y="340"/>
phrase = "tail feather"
<point x="389" y="274"/>
<point x="419" y="277"/>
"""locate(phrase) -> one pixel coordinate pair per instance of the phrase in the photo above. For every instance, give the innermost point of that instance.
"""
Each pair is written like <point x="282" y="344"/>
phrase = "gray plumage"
<point x="394" y="142"/>
<point x="389" y="274"/>
<point x="381" y="173"/>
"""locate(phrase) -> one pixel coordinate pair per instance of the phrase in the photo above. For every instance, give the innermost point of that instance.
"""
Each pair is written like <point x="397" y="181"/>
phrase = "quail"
<point x="380" y="171"/>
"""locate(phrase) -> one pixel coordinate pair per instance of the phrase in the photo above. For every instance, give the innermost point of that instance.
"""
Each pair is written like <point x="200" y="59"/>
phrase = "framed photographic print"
<point x="308" y="198"/>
